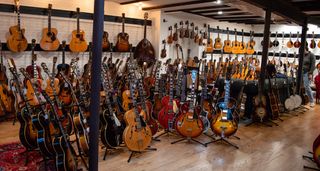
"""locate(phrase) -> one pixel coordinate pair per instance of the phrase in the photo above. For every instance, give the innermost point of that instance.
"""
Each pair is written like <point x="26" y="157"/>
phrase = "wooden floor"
<point x="277" y="148"/>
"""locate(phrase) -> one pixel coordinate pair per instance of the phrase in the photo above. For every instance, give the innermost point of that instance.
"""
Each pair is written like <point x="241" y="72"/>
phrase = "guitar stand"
<point x="139" y="152"/>
<point x="189" y="139"/>
<point x="166" y="132"/>
<point x="222" y="139"/>
<point x="26" y="152"/>
<point x="106" y="151"/>
<point x="311" y="159"/>
<point x="80" y="152"/>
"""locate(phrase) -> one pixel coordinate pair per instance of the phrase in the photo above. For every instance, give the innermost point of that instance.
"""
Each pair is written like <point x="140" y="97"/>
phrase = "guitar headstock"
<point x="45" y="68"/>
<point x="191" y="24"/>
<point x="63" y="45"/>
<point x="17" y="4"/>
<point x="187" y="22"/>
<point x="175" y="26"/>
<point x="11" y="64"/>
<point x="146" y="15"/>
<point x="55" y="59"/>
<point x="49" y="7"/>
<point x="33" y="44"/>
<point x="24" y="73"/>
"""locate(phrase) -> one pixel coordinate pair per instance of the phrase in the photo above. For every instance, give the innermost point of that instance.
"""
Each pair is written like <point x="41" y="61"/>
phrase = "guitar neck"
<point x="78" y="20"/>
<point x="19" y="23"/>
<point x="49" y="20"/>
<point x="145" y="29"/>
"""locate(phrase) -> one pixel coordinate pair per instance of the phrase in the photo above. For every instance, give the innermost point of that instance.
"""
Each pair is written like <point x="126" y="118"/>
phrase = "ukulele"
<point x="175" y="34"/>
<point x="170" y="37"/>
<point x="17" y="42"/>
<point x="122" y="44"/>
<point x="27" y="134"/>
<point x="313" y="43"/>
<point x="235" y="44"/>
<point x="209" y="47"/>
<point x="192" y="33"/>
<point x="181" y="30"/>
<point x="297" y="43"/>
<point x="275" y="42"/>
<point x="144" y="51"/>
<point x="78" y="42"/>
<point x="196" y="37"/>
<point x="217" y="41"/>
<point x="250" y="45"/>
<point x="189" y="124"/>
<point x="49" y="41"/>
<point x="242" y="47"/>
<point x="137" y="135"/>
<point x="163" y="51"/>
<point x="290" y="43"/>
<point x="105" y="42"/>
<point x="227" y="48"/>
<point x="223" y="123"/>
<point x="186" y="32"/>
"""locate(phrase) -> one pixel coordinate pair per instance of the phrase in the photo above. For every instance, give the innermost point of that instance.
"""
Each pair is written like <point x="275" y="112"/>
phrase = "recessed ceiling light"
<point x="218" y="1"/>
<point x="220" y="12"/>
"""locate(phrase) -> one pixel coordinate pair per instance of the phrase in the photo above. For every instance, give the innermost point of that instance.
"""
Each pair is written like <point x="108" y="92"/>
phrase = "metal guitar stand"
<point x="223" y="139"/>
<point x="139" y="152"/>
<point x="188" y="140"/>
<point x="311" y="159"/>
<point x="166" y="132"/>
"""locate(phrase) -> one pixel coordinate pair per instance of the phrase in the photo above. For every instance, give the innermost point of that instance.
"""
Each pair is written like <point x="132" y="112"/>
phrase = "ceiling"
<point x="235" y="11"/>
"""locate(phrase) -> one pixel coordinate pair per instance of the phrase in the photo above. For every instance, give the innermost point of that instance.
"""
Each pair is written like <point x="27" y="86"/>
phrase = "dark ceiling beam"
<point x="282" y="8"/>
<point x="217" y="10"/>
<point x="132" y="2"/>
<point x="227" y="14"/>
<point x="177" y="4"/>
<point x="237" y="18"/>
<point x="198" y="8"/>
<point x="307" y="6"/>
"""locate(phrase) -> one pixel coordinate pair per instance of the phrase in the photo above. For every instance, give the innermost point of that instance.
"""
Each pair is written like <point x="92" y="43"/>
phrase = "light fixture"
<point x="220" y="12"/>
<point x="218" y="1"/>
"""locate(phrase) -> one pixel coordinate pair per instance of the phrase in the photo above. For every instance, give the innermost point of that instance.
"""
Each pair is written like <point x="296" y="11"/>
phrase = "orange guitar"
<point x="227" y="48"/>
<point x="78" y="42"/>
<point x="122" y="44"/>
<point x="52" y="82"/>
<point x="242" y="47"/>
<point x="217" y="41"/>
<point x="17" y="42"/>
<point x="49" y="41"/>
<point x="250" y="45"/>
<point x="209" y="47"/>
<point x="235" y="44"/>
<point x="290" y="43"/>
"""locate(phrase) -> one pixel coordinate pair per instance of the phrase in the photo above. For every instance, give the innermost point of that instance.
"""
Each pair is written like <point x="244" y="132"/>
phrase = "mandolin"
<point x="235" y="44"/>
<point x="290" y="43"/>
<point x="297" y="43"/>
<point x="227" y="48"/>
<point x="137" y="135"/>
<point x="217" y="41"/>
<point x="196" y="37"/>
<point x="175" y="34"/>
<point x="163" y="51"/>
<point x="313" y="43"/>
<point x="223" y="123"/>
<point x="105" y="42"/>
<point x="181" y="30"/>
<point x="186" y="32"/>
<point x="275" y="42"/>
<point x="144" y="51"/>
<point x="192" y="33"/>
<point x="17" y="42"/>
<point x="170" y="37"/>
<point x="122" y="44"/>
<point x="78" y="42"/>
<point x="209" y="47"/>
<point x="49" y="40"/>
<point x="190" y="124"/>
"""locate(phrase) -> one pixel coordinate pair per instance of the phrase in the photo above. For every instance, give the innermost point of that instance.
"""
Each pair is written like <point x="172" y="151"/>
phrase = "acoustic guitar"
<point x="227" y="48"/>
<point x="49" y="40"/>
<point x="192" y="33"/>
<point x="52" y="82"/>
<point x="297" y="43"/>
<point x="137" y="135"/>
<point x="105" y="42"/>
<point x="144" y="51"/>
<point x="122" y="44"/>
<point x="190" y="124"/>
<point x="186" y="32"/>
<point x="235" y="44"/>
<point x="181" y="30"/>
<point x="290" y="43"/>
<point x="17" y="42"/>
<point x="242" y="47"/>
<point x="78" y="42"/>
<point x="209" y="47"/>
<point x="223" y="123"/>
<point x="217" y="41"/>
<point x="170" y="37"/>
<point x="196" y="37"/>
<point x="163" y="51"/>
<point x="175" y="34"/>
<point x="313" y="43"/>
<point x="250" y="44"/>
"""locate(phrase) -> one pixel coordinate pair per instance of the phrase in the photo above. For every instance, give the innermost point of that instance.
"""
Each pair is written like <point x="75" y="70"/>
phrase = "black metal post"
<point x="98" y="18"/>
<point x="265" y="47"/>
<point x="301" y="54"/>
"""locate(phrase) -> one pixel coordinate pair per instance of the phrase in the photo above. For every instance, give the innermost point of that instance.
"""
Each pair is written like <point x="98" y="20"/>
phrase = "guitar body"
<point x="290" y="44"/>
<point x="81" y="131"/>
<point x="122" y="44"/>
<point x="157" y="105"/>
<point x="189" y="124"/>
<point x="17" y="41"/>
<point x="319" y="44"/>
<point x="151" y="122"/>
<point x="250" y="50"/>
<point x="49" y="41"/>
<point x="297" y="44"/>
<point x="7" y="100"/>
<point x="49" y="89"/>
<point x="105" y="41"/>
<point x="27" y="134"/>
<point x="227" y="48"/>
<point x="209" y="47"/>
<point x="136" y="139"/>
<point x="313" y="44"/>
<point x="78" y="42"/>
<point x="316" y="151"/>
<point x="126" y="101"/>
<point x="260" y="106"/>
<point x="111" y="133"/>
<point x="235" y="47"/>
<point x="221" y="127"/>
<point x="64" y="155"/>
<point x="145" y="53"/>
<point x="65" y="94"/>
<point x="167" y="116"/>
<point x="165" y="101"/>
<point x="217" y="43"/>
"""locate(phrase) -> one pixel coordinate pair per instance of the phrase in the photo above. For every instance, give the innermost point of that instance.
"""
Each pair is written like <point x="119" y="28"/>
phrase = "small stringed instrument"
<point x="217" y="41"/>
<point x="122" y="44"/>
<point x="144" y="51"/>
<point x="209" y="47"/>
<point x="163" y="51"/>
<point x="297" y="43"/>
<point x="223" y="123"/>
<point x="227" y="48"/>
<point x="105" y="42"/>
<point x="17" y="42"/>
<point x="189" y="124"/>
<point x="275" y="42"/>
<point x="196" y="37"/>
<point x="192" y="33"/>
<point x="313" y="43"/>
<point x="181" y="30"/>
<point x="78" y="42"/>
<point x="235" y="44"/>
<point x="49" y="41"/>
<point x="290" y="43"/>
<point x="175" y="34"/>
<point x="186" y="32"/>
<point x="170" y="37"/>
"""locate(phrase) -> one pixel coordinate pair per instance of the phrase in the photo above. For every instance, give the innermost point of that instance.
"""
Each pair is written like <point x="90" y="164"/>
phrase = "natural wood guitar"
<point x="78" y="42"/>
<point x="122" y="44"/>
<point x="49" y="41"/>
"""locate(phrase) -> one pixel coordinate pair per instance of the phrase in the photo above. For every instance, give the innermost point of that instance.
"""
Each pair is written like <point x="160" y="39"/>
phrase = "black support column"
<point x="301" y="54"/>
<point x="265" y="47"/>
<point x="98" y="19"/>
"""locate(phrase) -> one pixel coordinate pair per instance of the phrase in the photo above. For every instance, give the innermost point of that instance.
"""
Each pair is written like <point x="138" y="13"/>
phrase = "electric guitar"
<point x="78" y="42"/>
<point x="49" y="41"/>
<point x="17" y="42"/>
<point x="105" y="42"/>
<point x="52" y="82"/>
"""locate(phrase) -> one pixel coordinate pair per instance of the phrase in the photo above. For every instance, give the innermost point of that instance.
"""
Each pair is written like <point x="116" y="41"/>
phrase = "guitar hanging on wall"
<point x="17" y="42"/>
<point x="78" y="42"/>
<point x="49" y="41"/>
<point x="122" y="44"/>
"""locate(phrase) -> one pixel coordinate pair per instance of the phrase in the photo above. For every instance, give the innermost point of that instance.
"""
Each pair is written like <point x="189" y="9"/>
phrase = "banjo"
<point x="296" y="97"/>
